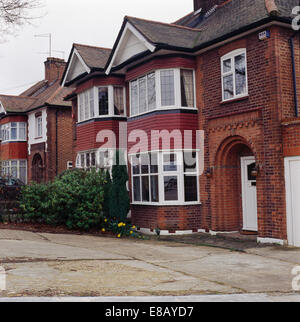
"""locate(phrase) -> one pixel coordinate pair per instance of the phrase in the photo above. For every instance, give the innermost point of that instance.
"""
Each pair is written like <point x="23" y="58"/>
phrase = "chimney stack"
<point x="206" y="5"/>
<point x="54" y="69"/>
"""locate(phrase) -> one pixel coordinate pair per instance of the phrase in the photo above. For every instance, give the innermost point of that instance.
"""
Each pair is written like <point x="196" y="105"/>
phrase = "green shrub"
<point x="74" y="199"/>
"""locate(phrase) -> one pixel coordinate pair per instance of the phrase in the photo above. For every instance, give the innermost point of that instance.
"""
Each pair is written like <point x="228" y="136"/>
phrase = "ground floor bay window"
<point x="165" y="178"/>
<point x="15" y="169"/>
<point x="95" y="159"/>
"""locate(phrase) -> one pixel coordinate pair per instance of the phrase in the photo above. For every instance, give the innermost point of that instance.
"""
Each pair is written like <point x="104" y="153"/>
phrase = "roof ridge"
<point x="18" y="96"/>
<point x="90" y="46"/>
<point x="164" y="23"/>
<point x="180" y="19"/>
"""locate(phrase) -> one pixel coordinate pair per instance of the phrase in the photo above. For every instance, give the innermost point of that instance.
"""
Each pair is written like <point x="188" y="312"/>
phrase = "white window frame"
<point x="231" y="56"/>
<point x="6" y="132"/>
<point x="177" y="91"/>
<point x="6" y="168"/>
<point x="39" y="126"/>
<point x="95" y="91"/>
<point x="109" y="161"/>
<point x="161" y="174"/>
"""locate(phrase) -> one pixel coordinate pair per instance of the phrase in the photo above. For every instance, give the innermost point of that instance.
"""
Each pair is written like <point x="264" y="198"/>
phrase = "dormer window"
<point x="163" y="89"/>
<point x="104" y="101"/>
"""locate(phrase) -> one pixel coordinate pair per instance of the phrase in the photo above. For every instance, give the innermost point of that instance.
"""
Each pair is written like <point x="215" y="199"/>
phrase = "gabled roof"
<point x="83" y="60"/>
<point x="200" y="29"/>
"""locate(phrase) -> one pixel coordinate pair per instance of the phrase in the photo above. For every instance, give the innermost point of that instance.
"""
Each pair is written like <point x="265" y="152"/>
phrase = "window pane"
<point x="88" y="160"/>
<point x="171" y="189"/>
<point x="81" y="107"/>
<point x="142" y="95"/>
<point x="119" y="101"/>
<point x="170" y="162"/>
<point x="154" y="163"/>
<point x="151" y="91"/>
<point x="13" y="131"/>
<point x="187" y="88"/>
<point x="136" y="189"/>
<point x="135" y="165"/>
<point x="190" y="188"/>
<point x="145" y="188"/>
<point x="134" y="98"/>
<point x="22" y="131"/>
<point x="92" y="112"/>
<point x="103" y="101"/>
<point x="167" y="88"/>
<point x="23" y="174"/>
<point x="190" y="161"/>
<point x="82" y="157"/>
<point x="240" y="74"/>
<point x="154" y="189"/>
<point x="228" y="86"/>
<point x="86" y="105"/>
<point x="227" y="66"/>
<point x="93" y="159"/>
<point x="145" y="161"/>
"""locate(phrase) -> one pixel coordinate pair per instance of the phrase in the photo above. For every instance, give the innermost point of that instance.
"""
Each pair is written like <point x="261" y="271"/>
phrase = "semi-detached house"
<point x="36" y="139"/>
<point x="230" y="69"/>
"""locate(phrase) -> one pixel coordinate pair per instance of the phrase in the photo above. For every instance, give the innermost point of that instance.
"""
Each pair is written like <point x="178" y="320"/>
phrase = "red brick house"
<point x="36" y="139"/>
<point x="230" y="69"/>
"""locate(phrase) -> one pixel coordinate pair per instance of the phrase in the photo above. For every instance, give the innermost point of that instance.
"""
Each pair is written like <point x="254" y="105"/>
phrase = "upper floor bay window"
<point x="100" y="102"/>
<point x="162" y="89"/>
<point x="15" y="131"/>
<point x="164" y="178"/>
<point x="234" y="75"/>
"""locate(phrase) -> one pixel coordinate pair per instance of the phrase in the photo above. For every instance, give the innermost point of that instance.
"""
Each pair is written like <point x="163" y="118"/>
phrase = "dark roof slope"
<point x="94" y="57"/>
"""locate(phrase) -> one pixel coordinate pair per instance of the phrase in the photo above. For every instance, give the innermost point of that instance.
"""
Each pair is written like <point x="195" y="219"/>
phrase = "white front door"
<point x="292" y="181"/>
<point x="249" y="196"/>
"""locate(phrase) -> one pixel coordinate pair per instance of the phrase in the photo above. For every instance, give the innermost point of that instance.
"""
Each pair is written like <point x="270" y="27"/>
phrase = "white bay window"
<point x="15" y="169"/>
<point x="14" y="131"/>
<point x="163" y="89"/>
<point x="165" y="178"/>
<point x="104" y="101"/>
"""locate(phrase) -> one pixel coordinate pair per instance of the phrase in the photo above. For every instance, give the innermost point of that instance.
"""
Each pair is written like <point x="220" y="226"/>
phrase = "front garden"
<point x="80" y="200"/>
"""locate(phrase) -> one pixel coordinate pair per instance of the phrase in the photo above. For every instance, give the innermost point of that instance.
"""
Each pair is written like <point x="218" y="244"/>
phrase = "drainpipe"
<point x="56" y="143"/>
<point x="291" y="41"/>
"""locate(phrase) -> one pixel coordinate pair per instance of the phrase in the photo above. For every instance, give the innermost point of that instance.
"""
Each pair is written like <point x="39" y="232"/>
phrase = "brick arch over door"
<point x="226" y="184"/>
<point x="38" y="169"/>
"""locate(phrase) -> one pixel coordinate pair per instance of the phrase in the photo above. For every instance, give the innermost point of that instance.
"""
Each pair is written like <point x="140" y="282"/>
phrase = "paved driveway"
<point x="72" y="265"/>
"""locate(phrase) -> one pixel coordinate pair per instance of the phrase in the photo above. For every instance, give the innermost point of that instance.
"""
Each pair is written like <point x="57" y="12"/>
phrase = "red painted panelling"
<point x="159" y="63"/>
<point x="87" y="133"/>
<point x="160" y="122"/>
<point x="10" y="119"/>
<point x="13" y="151"/>
<point x="100" y="81"/>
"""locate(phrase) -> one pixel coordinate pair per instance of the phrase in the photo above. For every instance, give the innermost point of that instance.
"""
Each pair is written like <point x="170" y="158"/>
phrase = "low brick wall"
<point x="171" y="218"/>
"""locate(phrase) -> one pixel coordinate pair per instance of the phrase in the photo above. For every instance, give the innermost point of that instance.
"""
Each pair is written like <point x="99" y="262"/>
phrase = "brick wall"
<point x="251" y="125"/>
<point x="171" y="218"/>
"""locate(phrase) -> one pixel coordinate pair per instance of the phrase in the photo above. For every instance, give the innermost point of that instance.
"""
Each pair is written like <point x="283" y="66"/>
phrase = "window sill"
<point x="196" y="203"/>
<point x="164" y="109"/>
<point x="237" y="99"/>
<point x="102" y="117"/>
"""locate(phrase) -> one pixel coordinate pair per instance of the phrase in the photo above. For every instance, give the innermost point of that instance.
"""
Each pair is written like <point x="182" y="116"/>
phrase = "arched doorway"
<point x="234" y="197"/>
<point x="37" y="169"/>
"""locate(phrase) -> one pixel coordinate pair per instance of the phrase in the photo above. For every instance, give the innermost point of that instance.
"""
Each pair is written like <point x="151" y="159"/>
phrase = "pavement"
<point x="88" y="268"/>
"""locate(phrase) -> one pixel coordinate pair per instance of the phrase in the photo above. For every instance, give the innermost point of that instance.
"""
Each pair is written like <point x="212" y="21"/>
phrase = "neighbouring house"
<point x="230" y="69"/>
<point x="36" y="126"/>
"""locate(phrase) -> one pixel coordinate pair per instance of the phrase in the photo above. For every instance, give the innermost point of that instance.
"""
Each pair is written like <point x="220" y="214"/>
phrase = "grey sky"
<point x="91" y="22"/>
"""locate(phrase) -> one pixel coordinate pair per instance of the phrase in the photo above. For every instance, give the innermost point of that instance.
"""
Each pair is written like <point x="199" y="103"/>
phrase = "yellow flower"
<point x="131" y="232"/>
<point x="119" y="236"/>
<point x="133" y="227"/>
<point x="103" y="230"/>
<point x="124" y="225"/>
<point x="105" y="220"/>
